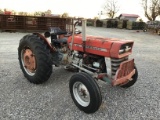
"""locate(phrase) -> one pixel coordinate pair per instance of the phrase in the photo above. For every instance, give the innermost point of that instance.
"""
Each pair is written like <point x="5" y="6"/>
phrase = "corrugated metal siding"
<point x="33" y="23"/>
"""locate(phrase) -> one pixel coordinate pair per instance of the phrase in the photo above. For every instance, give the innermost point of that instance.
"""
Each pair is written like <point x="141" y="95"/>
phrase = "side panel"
<point x="94" y="45"/>
<point x="107" y="47"/>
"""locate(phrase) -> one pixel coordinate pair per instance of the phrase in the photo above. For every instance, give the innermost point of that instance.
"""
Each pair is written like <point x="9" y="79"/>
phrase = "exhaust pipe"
<point x="84" y="30"/>
<point x="84" y="21"/>
<point x="83" y="34"/>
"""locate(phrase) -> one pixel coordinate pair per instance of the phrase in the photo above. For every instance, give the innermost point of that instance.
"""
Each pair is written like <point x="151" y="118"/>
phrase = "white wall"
<point x="129" y="18"/>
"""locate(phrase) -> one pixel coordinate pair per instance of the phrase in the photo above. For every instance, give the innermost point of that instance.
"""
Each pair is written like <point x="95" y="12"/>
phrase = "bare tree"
<point x="1" y="11"/>
<point x="111" y="8"/>
<point x="151" y="9"/>
<point x="65" y="15"/>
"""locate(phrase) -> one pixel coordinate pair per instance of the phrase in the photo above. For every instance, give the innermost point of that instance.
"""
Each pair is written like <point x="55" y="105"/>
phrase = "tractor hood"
<point x="107" y="47"/>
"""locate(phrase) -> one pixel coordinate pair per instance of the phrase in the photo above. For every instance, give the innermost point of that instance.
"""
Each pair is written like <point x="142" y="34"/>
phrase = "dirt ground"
<point x="21" y="100"/>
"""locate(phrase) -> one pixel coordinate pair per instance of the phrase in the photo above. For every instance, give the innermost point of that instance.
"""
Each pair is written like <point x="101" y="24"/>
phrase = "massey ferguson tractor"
<point x="91" y="58"/>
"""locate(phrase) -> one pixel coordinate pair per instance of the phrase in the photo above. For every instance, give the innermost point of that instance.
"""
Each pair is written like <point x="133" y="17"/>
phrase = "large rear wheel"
<point x="35" y="59"/>
<point x="85" y="92"/>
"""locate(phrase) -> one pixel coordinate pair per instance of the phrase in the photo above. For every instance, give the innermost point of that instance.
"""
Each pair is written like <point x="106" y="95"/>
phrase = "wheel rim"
<point x="28" y="61"/>
<point x="81" y="94"/>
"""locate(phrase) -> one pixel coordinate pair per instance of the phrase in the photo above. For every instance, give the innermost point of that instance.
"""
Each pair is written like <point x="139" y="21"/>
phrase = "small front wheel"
<point x="133" y="81"/>
<point x="85" y="92"/>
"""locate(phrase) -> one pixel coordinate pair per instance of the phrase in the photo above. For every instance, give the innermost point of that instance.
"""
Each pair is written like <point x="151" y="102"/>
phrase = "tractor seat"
<point x="59" y="41"/>
<point x="57" y="31"/>
<point x="54" y="31"/>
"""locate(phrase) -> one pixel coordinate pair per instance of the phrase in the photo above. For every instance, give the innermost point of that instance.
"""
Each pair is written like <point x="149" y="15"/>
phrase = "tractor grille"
<point x="125" y="69"/>
<point x="115" y="63"/>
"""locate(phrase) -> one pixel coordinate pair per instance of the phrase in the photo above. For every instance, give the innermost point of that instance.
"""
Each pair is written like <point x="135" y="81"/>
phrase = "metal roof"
<point x="129" y="15"/>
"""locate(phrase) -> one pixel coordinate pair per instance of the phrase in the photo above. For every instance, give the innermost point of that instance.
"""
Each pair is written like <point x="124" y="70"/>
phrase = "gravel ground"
<point x="21" y="100"/>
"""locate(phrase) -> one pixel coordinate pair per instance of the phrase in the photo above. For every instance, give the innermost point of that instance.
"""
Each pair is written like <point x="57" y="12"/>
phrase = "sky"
<point x="83" y="8"/>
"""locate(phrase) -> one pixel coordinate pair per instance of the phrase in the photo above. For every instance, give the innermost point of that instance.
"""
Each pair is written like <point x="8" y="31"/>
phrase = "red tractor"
<point x="93" y="58"/>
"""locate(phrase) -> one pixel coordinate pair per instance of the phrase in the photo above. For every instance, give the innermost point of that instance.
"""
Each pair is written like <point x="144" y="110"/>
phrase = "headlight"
<point x="125" y="48"/>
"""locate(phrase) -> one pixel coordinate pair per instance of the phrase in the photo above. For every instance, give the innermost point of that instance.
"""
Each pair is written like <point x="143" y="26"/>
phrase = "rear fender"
<point x="46" y="41"/>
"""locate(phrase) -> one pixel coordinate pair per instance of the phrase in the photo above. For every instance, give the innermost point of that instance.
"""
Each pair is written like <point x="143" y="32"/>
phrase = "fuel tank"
<point x="107" y="47"/>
